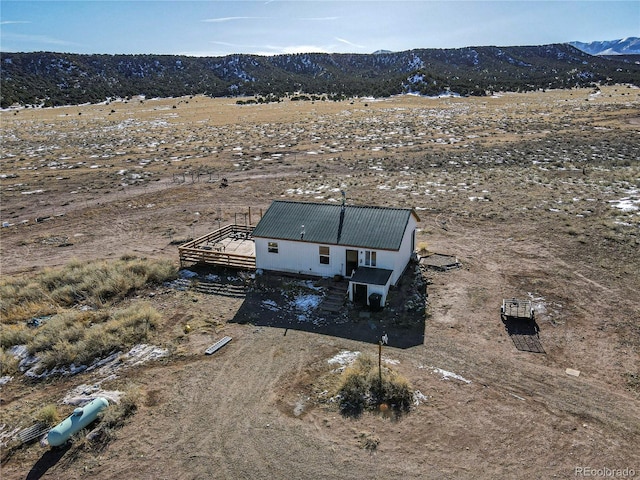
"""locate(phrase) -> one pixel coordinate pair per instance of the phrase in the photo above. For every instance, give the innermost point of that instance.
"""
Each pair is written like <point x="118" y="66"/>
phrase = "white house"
<point x="369" y="245"/>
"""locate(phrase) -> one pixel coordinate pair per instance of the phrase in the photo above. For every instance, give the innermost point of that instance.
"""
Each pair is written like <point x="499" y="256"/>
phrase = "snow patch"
<point x="187" y="274"/>
<point x="83" y="394"/>
<point x="419" y="397"/>
<point x="139" y="354"/>
<point x="271" y="305"/>
<point x="306" y="304"/>
<point x="627" y="204"/>
<point x="449" y="375"/>
<point x="344" y="358"/>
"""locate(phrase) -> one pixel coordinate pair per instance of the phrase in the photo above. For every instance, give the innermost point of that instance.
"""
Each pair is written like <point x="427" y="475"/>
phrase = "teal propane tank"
<point x="80" y="418"/>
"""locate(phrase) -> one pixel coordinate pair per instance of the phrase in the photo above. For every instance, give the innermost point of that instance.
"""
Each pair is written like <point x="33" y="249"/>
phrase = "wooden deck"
<point x="230" y="246"/>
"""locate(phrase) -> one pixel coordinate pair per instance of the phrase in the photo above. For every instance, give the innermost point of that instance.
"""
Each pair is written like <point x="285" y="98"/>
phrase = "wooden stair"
<point x="335" y="298"/>
<point x="209" y="287"/>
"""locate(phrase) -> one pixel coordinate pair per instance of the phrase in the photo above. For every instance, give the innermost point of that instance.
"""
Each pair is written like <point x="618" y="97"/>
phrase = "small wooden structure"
<point x="515" y="308"/>
<point x="230" y="246"/>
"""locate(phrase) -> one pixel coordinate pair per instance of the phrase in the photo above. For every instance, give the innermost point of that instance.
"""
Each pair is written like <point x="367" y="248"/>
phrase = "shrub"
<point x="22" y="299"/>
<point x="11" y="335"/>
<point x="115" y="415"/>
<point x="48" y="415"/>
<point x="361" y="389"/>
<point x="99" y="282"/>
<point x="8" y="363"/>
<point x="423" y="248"/>
<point x="60" y="353"/>
<point x="96" y="344"/>
<point x="353" y="394"/>
<point x="77" y="336"/>
<point x="74" y="337"/>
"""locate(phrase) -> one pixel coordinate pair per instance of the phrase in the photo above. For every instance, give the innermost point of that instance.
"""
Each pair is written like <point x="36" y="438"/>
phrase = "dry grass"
<point x="49" y="415"/>
<point x="115" y="415"/>
<point x="361" y="389"/>
<point x="76" y="336"/>
<point x="92" y="284"/>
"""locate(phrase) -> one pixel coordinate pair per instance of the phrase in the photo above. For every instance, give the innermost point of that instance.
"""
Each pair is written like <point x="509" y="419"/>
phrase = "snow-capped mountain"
<point x="625" y="46"/>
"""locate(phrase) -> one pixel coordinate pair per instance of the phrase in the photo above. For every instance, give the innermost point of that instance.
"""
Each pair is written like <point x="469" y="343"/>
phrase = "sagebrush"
<point x="364" y="387"/>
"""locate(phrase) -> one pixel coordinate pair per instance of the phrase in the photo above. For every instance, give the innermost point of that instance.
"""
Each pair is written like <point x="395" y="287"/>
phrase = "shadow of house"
<point x="274" y="301"/>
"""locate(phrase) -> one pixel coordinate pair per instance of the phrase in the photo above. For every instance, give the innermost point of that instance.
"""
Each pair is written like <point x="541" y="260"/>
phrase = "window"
<point x="324" y="255"/>
<point x="370" y="258"/>
<point x="272" y="247"/>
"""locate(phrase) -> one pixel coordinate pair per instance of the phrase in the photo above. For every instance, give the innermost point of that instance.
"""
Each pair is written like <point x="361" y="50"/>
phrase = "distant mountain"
<point x="51" y="79"/>
<point x="625" y="46"/>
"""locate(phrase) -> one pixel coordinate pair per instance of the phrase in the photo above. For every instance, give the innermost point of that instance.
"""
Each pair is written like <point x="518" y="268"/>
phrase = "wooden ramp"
<point x="220" y="287"/>
<point x="217" y="346"/>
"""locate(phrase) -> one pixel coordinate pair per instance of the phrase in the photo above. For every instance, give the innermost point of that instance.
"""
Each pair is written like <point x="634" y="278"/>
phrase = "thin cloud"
<point x="347" y="42"/>
<point x="232" y="19"/>
<point x="271" y="50"/>
<point x="13" y="22"/>
<point x="43" y="39"/>
<point x="320" y="19"/>
<point x="226" y="44"/>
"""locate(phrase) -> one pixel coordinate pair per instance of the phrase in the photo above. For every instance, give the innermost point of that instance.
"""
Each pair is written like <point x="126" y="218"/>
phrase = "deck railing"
<point x="200" y="251"/>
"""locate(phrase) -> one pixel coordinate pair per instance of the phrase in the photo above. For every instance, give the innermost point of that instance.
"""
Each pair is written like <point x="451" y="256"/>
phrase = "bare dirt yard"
<point x="536" y="194"/>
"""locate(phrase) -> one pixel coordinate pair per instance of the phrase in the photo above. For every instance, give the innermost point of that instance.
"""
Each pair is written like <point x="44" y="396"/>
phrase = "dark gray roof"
<point x="357" y="226"/>
<point x="371" y="276"/>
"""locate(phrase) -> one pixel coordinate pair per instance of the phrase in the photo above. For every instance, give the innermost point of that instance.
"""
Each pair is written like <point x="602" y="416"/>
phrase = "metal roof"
<point x="351" y="225"/>
<point x="371" y="276"/>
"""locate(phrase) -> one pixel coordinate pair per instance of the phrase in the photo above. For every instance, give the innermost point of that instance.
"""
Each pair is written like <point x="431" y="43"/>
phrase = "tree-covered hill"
<point x="45" y="78"/>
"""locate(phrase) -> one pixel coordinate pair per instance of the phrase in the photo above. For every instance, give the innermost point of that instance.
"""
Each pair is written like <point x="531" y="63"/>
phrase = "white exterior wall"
<point x="299" y="257"/>
<point x="404" y="255"/>
<point x="381" y="289"/>
<point x="304" y="258"/>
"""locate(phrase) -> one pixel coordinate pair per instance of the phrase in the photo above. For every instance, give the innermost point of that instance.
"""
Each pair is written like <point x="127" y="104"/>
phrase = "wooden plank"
<point x="217" y="346"/>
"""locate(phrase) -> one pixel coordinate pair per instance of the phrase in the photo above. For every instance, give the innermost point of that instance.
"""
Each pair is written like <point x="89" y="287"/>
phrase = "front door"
<point x="351" y="262"/>
<point x="360" y="294"/>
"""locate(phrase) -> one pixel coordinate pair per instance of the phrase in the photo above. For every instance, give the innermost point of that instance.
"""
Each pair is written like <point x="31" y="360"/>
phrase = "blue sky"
<point x="216" y="28"/>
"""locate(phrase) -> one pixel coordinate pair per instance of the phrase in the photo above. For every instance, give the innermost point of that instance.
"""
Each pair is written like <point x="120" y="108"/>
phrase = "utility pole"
<point x="384" y="340"/>
<point x="380" y="365"/>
